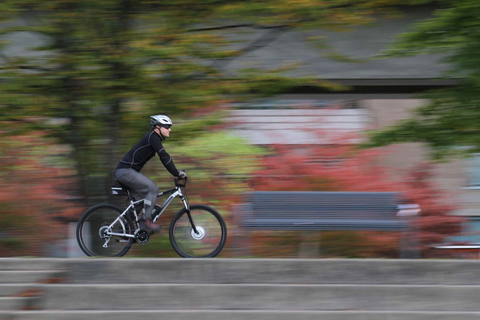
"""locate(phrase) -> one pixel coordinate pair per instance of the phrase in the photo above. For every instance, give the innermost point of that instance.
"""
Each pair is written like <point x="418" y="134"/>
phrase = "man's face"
<point x="165" y="132"/>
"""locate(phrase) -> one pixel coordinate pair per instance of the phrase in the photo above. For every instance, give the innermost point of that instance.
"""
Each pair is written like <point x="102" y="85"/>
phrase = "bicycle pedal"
<point x="121" y="240"/>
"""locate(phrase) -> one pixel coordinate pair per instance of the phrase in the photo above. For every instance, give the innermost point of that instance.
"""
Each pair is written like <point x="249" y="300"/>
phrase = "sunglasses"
<point x="167" y="126"/>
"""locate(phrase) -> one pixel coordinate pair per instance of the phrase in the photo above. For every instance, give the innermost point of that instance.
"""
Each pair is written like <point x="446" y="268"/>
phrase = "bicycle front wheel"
<point x="92" y="230"/>
<point x="210" y="237"/>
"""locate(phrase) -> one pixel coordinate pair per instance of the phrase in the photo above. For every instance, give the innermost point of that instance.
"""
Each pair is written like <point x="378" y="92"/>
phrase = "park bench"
<point x="327" y="211"/>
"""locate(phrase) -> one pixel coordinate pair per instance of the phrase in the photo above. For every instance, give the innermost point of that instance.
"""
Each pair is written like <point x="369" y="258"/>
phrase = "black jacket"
<point x="144" y="150"/>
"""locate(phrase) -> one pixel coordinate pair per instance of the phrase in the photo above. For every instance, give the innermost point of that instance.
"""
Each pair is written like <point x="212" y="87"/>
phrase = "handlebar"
<point x="180" y="182"/>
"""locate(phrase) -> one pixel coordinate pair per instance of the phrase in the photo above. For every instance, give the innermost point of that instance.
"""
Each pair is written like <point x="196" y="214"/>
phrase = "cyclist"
<point x="128" y="169"/>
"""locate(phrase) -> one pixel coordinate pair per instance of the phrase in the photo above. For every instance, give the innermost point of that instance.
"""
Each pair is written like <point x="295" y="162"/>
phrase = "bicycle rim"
<point x="210" y="239"/>
<point x="91" y="227"/>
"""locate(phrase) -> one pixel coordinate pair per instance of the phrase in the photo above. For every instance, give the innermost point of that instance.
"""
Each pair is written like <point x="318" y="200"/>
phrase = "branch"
<point x="234" y="26"/>
<point x="34" y="68"/>
<point x="261" y="42"/>
<point x="264" y="40"/>
<point x="15" y="120"/>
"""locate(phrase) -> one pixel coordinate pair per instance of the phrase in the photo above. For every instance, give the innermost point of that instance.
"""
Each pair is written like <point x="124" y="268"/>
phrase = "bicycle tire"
<point x="81" y="229"/>
<point x="181" y="216"/>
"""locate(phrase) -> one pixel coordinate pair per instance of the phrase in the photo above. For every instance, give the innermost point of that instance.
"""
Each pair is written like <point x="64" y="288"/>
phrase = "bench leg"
<point x="408" y="245"/>
<point x="309" y="245"/>
<point x="241" y="236"/>
<point x="403" y="248"/>
<point x="246" y="250"/>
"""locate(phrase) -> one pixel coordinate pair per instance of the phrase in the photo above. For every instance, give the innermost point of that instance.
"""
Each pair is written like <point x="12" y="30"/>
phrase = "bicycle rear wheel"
<point x="93" y="224"/>
<point x="211" y="236"/>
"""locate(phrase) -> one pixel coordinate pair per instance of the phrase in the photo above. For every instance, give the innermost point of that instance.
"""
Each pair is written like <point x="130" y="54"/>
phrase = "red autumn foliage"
<point x="342" y="168"/>
<point x="34" y="196"/>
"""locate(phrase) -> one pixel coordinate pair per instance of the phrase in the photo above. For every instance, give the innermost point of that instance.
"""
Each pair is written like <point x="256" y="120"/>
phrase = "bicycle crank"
<point x="142" y="236"/>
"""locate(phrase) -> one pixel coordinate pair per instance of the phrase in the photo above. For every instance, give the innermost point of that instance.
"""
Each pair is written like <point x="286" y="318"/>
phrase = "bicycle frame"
<point x="175" y="192"/>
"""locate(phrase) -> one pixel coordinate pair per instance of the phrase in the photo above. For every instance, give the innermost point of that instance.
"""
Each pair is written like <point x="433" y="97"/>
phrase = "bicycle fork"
<point x="189" y="215"/>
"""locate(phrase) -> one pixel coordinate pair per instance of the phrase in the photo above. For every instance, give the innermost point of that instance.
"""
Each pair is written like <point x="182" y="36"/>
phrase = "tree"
<point x="449" y="124"/>
<point x="108" y="63"/>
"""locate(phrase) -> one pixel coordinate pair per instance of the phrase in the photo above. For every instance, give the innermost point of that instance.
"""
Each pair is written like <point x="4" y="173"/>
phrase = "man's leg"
<point x="141" y="187"/>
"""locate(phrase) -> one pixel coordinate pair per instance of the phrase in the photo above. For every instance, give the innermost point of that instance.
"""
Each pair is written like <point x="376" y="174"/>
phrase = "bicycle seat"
<point x="119" y="189"/>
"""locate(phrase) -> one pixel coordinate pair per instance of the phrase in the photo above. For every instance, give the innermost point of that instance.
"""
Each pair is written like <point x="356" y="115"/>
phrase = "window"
<point x="470" y="231"/>
<point x="474" y="171"/>
<point x="299" y="122"/>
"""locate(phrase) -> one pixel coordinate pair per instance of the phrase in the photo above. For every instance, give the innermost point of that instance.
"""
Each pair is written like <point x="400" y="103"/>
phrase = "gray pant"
<point x="140" y="186"/>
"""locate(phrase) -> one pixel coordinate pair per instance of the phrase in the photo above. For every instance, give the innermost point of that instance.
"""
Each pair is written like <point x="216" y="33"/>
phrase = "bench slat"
<point x="326" y="215"/>
<point x="298" y="210"/>
<point x="325" y="224"/>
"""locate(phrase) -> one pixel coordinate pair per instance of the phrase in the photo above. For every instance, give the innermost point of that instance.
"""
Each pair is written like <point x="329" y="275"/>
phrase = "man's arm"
<point x="164" y="156"/>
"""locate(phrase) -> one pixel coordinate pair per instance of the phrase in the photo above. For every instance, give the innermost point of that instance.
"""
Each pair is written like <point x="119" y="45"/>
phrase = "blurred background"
<point x="264" y="96"/>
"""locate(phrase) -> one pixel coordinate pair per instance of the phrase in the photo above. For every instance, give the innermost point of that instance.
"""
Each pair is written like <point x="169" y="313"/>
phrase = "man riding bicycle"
<point x="128" y="169"/>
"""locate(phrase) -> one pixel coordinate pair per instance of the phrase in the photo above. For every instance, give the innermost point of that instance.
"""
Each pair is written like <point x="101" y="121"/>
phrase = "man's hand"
<point x="182" y="174"/>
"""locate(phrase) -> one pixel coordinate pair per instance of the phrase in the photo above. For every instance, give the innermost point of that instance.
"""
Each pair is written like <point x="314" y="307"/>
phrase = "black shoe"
<point x="148" y="225"/>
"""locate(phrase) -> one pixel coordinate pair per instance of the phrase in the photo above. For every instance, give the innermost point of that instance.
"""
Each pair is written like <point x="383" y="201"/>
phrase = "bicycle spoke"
<point x="93" y="230"/>
<point x="207" y="242"/>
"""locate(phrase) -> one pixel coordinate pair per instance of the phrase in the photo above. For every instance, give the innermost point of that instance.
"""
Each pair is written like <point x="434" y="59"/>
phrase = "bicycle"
<point x="196" y="231"/>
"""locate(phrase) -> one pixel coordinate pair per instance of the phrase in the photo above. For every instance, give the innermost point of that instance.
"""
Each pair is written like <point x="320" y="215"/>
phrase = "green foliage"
<point x="106" y="65"/>
<point x="224" y="153"/>
<point x="450" y="123"/>
<point x="105" y="56"/>
<point x="218" y="165"/>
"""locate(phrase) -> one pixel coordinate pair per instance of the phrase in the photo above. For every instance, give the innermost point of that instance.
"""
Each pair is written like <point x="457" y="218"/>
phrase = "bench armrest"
<point x="407" y="210"/>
